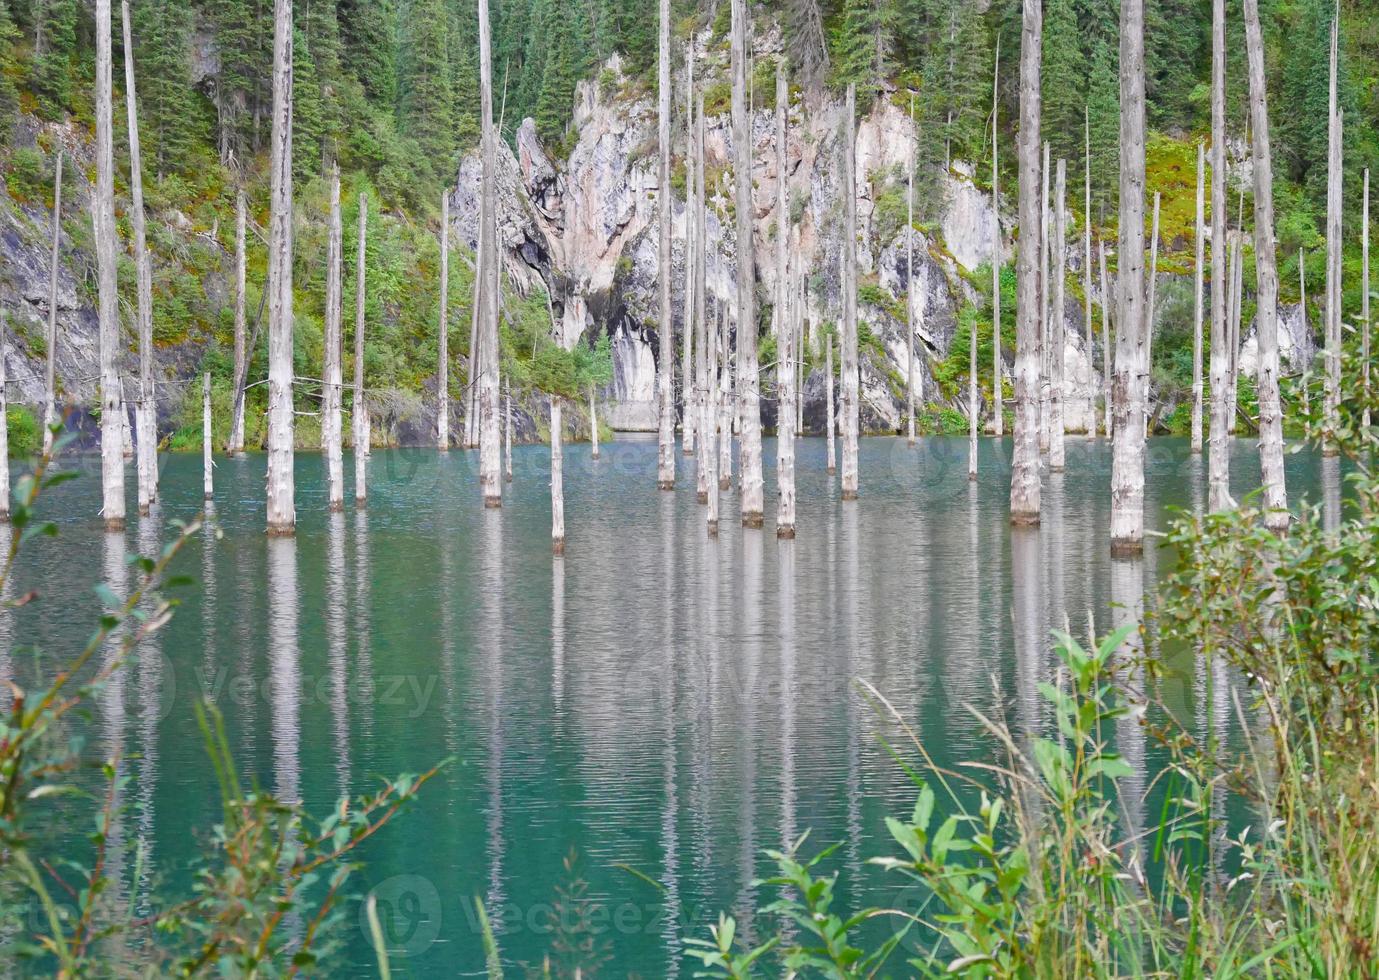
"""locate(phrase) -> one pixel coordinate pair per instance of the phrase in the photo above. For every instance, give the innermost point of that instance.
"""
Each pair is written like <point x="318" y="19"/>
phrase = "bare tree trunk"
<point x="557" y="482"/>
<point x="785" y="313"/>
<point x="997" y="361"/>
<point x="1334" y="202"/>
<point x="1266" y="271"/>
<point x="1198" y="261"/>
<point x="1149" y="311"/>
<point x="1218" y="446"/>
<point x="1045" y="311"/>
<point x="145" y="417"/>
<point x="359" y="414"/>
<point x="50" y="376"/>
<point x="1057" y="328"/>
<point x="1306" y="329"/>
<point x="471" y="427"/>
<point x="910" y="285"/>
<point x="749" y="396"/>
<point x="490" y="484"/>
<point x="1364" y="300"/>
<point x="712" y="415"/>
<point x="665" y="362"/>
<point x="207" y="462"/>
<point x="725" y="410"/>
<point x="282" y="516"/>
<point x="1127" y="454"/>
<point x="1087" y="262"/>
<point x="103" y="222"/>
<point x="1237" y="304"/>
<point x="831" y="454"/>
<point x="1105" y="339"/>
<point x="703" y="364"/>
<point x="507" y="433"/>
<point x="593" y="424"/>
<point x="443" y="334"/>
<point x="851" y="422"/>
<point x="241" y="360"/>
<point x="4" y="427"/>
<point x="332" y="388"/>
<point x="689" y="415"/>
<point x="1024" y="474"/>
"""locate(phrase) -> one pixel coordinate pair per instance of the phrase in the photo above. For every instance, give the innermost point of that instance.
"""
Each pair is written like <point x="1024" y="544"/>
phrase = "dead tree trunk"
<point x="50" y="376"/>
<point x="145" y="418"/>
<point x="1127" y="454"/>
<point x="665" y="459"/>
<point x="704" y="424"/>
<point x="557" y="482"/>
<point x="241" y="360"/>
<point x="282" y="515"/>
<point x="1087" y="262"/>
<point x="332" y="388"/>
<point x="997" y="365"/>
<point x="103" y="227"/>
<point x="725" y="408"/>
<point x="1306" y="328"/>
<point x="1149" y="307"/>
<point x="443" y="334"/>
<point x="1024" y="474"/>
<point x="851" y="423"/>
<point x="688" y="413"/>
<point x="910" y="285"/>
<point x="1334" y="202"/>
<point x="593" y="425"/>
<point x="4" y="427"/>
<point x="490" y="483"/>
<point x="831" y="454"/>
<point x="507" y="432"/>
<point x="749" y="396"/>
<point x="1266" y="270"/>
<point x="207" y="461"/>
<point x="1057" y="339"/>
<point x="1364" y="300"/>
<point x="712" y="417"/>
<point x="1045" y="312"/>
<point x="359" y="413"/>
<point x="1237" y="305"/>
<point x="1105" y="339"/>
<point x="471" y="427"/>
<point x="785" y="334"/>
<point x="1218" y="446"/>
<point x="1199" y="245"/>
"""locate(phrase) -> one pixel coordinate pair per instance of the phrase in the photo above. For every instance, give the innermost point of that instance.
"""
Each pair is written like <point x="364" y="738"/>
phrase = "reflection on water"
<point x="655" y="700"/>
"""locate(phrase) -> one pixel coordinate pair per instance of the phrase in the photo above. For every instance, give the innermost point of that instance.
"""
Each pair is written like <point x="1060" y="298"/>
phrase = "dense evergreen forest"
<point x="389" y="89"/>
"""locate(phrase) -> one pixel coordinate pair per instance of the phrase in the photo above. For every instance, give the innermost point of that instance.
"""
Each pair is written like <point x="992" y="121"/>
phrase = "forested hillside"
<point x="389" y="90"/>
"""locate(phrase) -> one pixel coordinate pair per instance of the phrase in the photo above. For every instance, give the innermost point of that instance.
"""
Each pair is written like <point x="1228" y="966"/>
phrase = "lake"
<point x="631" y="725"/>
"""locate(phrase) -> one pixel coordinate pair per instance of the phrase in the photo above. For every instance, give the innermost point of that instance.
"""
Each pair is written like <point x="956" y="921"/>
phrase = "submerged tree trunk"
<point x="688" y="413"/>
<point x="712" y="416"/>
<point x="1024" y="474"/>
<point x="1233" y="332"/>
<point x="332" y="434"/>
<point x="241" y="355"/>
<point x="830" y="425"/>
<point x="749" y="397"/>
<point x="1087" y="263"/>
<point x="1199" y="246"/>
<point x="207" y="461"/>
<point x="1057" y="340"/>
<point x="704" y="423"/>
<point x="557" y="482"/>
<point x="1148" y="367"/>
<point x="507" y="433"/>
<point x="1218" y="446"/>
<point x="359" y="414"/>
<point x="785" y="333"/>
<point x="282" y="516"/>
<point x="145" y="411"/>
<point x="1364" y="301"/>
<point x="1306" y="327"/>
<point x="593" y="425"/>
<point x="1266" y="270"/>
<point x="471" y="422"/>
<point x="1127" y="454"/>
<point x="1334" y="177"/>
<point x="490" y="484"/>
<point x="443" y="334"/>
<point x="103" y="229"/>
<point x="1105" y="339"/>
<point x="50" y="375"/>
<point x="4" y="428"/>
<point x="1045" y="307"/>
<point x="725" y="408"/>
<point x="997" y="367"/>
<point x="851" y="421"/>
<point x="910" y="290"/>
<point x="665" y="468"/>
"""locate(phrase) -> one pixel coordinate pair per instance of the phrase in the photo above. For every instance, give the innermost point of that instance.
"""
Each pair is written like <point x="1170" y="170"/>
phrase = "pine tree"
<point x="366" y="38"/>
<point x="1302" y="129"/>
<point x="557" y="91"/>
<point x="308" y="115"/>
<point x="424" y="85"/>
<point x="1103" y="110"/>
<point x="1174" y="51"/>
<point x="170" y="121"/>
<point x="862" y="47"/>
<point x="242" y="84"/>
<point x="1065" y="79"/>
<point x="52" y="66"/>
<point x="321" y="29"/>
<point x="9" y="95"/>
<point x="464" y="73"/>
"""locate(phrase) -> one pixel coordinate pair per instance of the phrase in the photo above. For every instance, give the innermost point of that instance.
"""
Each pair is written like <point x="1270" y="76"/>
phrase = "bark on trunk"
<point x="725" y="408"/>
<point x="507" y="433"/>
<point x="557" y="482"/>
<point x="708" y="444"/>
<point x="490" y="483"/>
<point x="831" y="454"/>
<point x="1266" y="270"/>
<point x="1087" y="260"/>
<point x="359" y="413"/>
<point x="665" y="458"/>
<point x="851" y="421"/>
<point x="282" y="516"/>
<point x="1364" y="301"/>
<point x="1306" y="329"/>
<point x="332" y="428"/>
<point x="443" y="334"/>
<point x="207" y="462"/>
<point x="1218" y="446"/>
<point x="997" y="365"/>
<point x="1199" y="257"/>
<point x="1334" y="178"/>
<point x="712" y="417"/>
<point x="1149" y="310"/>
<point x="1024" y="474"/>
<point x="1233" y="352"/>
<point x="241" y="366"/>
<point x="910" y="293"/>
<point x="103" y="229"/>
<point x="145" y="412"/>
<point x="593" y="425"/>
<point x="4" y="428"/>
<point x="471" y="422"/>
<point x="1105" y="339"/>
<point x="50" y="375"/>
<point x="785" y="332"/>
<point x="1057" y="341"/>
<point x="689" y="415"/>
<point x="749" y="397"/>
<point x="1127" y="454"/>
<point x="1045" y="312"/>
